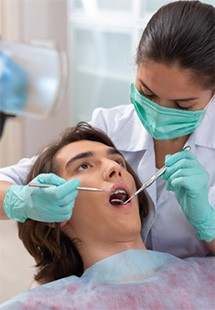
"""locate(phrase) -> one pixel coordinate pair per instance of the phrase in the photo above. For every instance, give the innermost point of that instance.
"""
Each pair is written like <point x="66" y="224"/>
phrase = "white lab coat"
<point x="169" y="229"/>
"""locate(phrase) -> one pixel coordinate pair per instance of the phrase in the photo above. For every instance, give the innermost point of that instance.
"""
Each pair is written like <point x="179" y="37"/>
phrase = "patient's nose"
<point x="112" y="170"/>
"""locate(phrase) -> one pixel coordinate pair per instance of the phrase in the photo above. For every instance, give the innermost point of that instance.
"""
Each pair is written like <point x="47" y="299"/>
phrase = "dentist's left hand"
<point x="53" y="204"/>
<point x="189" y="180"/>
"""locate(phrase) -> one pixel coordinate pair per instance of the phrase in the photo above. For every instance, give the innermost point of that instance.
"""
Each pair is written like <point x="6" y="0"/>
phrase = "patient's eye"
<point x="83" y="166"/>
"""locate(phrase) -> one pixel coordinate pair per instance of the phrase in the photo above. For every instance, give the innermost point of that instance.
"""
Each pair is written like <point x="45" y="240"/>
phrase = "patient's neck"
<point x="94" y="251"/>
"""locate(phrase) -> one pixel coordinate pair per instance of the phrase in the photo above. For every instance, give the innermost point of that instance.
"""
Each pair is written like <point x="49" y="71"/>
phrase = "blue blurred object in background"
<point x="13" y="86"/>
<point x="33" y="79"/>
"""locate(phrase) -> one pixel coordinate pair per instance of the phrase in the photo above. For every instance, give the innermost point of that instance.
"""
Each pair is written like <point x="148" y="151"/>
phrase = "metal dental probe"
<point x="81" y="188"/>
<point x="152" y="179"/>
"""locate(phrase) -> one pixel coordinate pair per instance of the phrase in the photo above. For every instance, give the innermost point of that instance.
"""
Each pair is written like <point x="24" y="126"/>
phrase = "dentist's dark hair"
<point x="56" y="255"/>
<point x="182" y="33"/>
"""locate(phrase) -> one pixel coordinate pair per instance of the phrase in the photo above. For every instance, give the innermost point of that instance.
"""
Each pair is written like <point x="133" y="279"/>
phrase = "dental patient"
<point x="98" y="256"/>
<point x="99" y="226"/>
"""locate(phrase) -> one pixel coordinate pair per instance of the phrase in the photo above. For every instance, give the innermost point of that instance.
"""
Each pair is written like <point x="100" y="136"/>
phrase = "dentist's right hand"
<point x="52" y="204"/>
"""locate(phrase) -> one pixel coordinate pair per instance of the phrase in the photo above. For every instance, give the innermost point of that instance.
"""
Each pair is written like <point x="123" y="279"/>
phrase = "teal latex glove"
<point x="53" y="204"/>
<point x="13" y="86"/>
<point x="189" y="180"/>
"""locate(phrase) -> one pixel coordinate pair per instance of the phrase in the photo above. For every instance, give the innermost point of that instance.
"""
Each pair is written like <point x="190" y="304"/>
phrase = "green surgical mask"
<point x="161" y="122"/>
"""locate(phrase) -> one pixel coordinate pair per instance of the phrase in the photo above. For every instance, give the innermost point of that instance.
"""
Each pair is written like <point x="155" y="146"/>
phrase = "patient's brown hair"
<point x="55" y="254"/>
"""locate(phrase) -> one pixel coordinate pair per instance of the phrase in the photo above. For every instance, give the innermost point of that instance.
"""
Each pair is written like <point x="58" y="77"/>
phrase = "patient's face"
<point x="95" y="214"/>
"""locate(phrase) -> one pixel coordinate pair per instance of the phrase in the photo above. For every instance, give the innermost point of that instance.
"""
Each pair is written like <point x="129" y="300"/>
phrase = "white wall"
<point x="27" y="20"/>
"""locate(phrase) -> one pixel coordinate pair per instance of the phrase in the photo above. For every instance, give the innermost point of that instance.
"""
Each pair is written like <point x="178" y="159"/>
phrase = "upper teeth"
<point x="119" y="191"/>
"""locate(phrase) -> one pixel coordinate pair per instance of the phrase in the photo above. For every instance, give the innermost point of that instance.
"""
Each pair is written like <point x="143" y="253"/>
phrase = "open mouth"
<point x="118" y="197"/>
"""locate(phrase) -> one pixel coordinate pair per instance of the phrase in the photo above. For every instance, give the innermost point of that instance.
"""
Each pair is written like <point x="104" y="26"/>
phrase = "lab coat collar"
<point x="133" y="136"/>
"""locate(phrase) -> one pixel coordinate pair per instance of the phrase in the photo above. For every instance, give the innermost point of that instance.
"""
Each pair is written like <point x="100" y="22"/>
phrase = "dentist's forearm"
<point x="3" y="189"/>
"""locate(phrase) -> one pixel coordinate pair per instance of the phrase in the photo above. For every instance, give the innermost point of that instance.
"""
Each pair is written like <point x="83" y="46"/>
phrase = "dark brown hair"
<point x="55" y="254"/>
<point x="182" y="33"/>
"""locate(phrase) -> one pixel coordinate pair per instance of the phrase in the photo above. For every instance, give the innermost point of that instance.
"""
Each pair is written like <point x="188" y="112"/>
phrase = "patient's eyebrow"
<point x="113" y="151"/>
<point x="79" y="156"/>
<point x="110" y="151"/>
